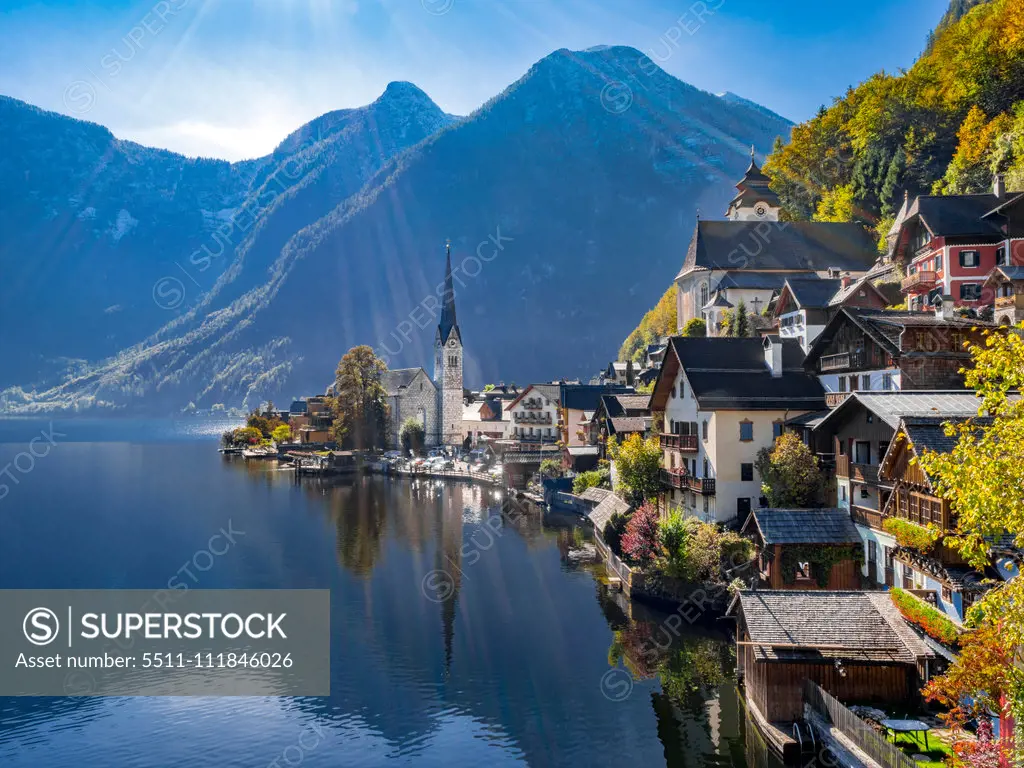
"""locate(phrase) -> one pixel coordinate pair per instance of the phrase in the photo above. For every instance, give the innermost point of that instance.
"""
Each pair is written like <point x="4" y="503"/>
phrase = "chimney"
<point x="999" y="186"/>
<point x="773" y="355"/>
<point x="847" y="280"/>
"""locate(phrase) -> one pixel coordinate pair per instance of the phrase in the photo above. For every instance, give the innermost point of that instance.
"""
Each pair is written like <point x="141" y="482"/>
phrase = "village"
<point x="770" y="456"/>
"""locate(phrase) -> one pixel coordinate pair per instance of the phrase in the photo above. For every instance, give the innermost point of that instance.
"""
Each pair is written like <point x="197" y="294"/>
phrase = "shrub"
<point x="640" y="542"/>
<point x="911" y="535"/>
<point x="551" y="468"/>
<point x="599" y="478"/>
<point x="930" y="619"/>
<point x="613" y="532"/>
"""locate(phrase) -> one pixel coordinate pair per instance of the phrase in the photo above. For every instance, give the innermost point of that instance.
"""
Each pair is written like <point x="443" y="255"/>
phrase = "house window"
<point x="864" y="494"/>
<point x="776" y="430"/>
<point x="673" y="391"/>
<point x="970" y="291"/>
<point x="704" y="430"/>
<point x="746" y="472"/>
<point x="969" y="259"/>
<point x="842" y="492"/>
<point x="705" y="503"/>
<point x="1001" y="257"/>
<point x="887" y="382"/>
<point x="947" y="594"/>
<point x="705" y="469"/>
<point x="746" y="431"/>
<point x="671" y="426"/>
<point x="883" y="448"/>
<point x="842" y="383"/>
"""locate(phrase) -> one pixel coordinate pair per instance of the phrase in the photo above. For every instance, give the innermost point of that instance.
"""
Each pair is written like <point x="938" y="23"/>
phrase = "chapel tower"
<point x="448" y="364"/>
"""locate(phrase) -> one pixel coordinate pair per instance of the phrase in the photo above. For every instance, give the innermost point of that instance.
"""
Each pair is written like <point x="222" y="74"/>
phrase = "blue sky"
<point x="231" y="78"/>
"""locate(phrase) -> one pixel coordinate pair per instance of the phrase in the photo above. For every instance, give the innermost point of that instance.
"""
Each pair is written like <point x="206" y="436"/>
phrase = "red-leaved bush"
<point x="640" y="542"/>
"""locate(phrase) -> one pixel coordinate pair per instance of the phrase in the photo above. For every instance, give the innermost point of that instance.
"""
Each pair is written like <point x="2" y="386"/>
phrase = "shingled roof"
<point x="731" y="374"/>
<point x="893" y="406"/>
<point x="799" y="246"/>
<point x="608" y="506"/>
<point x="853" y="626"/>
<point x="957" y="215"/>
<point x="804" y="526"/>
<point x="399" y="379"/>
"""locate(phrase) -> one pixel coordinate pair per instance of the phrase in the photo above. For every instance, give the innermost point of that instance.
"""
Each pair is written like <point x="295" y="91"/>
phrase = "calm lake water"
<point x="530" y="662"/>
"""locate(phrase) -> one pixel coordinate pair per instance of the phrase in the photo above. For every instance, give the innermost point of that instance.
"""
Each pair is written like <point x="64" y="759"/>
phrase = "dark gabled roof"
<point x="1007" y="202"/>
<point x="957" y="215"/>
<point x="753" y="280"/>
<point x="619" y="405"/>
<point x="780" y="245"/>
<point x="399" y="378"/>
<point x="813" y="294"/>
<point x="731" y="374"/>
<point x="891" y="407"/>
<point x="857" y="626"/>
<point x="929" y="433"/>
<point x="587" y="397"/>
<point x="626" y="424"/>
<point x="804" y="526"/>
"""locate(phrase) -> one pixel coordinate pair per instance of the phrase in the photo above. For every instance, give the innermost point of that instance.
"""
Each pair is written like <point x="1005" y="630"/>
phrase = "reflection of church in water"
<point x="436" y="402"/>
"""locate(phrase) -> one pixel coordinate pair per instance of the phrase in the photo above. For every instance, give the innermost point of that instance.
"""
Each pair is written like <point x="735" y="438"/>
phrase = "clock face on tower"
<point x="452" y="343"/>
<point x="761" y="210"/>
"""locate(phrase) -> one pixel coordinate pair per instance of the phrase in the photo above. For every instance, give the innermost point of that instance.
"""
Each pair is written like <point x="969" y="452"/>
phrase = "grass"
<point x="913" y="744"/>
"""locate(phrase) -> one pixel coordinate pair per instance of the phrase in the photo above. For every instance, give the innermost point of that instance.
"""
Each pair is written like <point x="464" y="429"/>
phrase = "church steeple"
<point x="755" y="199"/>
<point x="448" y="322"/>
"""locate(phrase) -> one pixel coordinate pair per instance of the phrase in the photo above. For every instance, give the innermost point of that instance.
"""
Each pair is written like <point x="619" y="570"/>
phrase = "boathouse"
<point x="855" y="645"/>
<point x="806" y="548"/>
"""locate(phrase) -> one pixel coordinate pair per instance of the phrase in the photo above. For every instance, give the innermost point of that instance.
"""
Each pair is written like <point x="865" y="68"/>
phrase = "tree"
<point x="281" y="434"/>
<point x="660" y="321"/>
<point x="247" y="436"/>
<point x="674" y="534"/>
<point x="640" y="542"/>
<point x="790" y="476"/>
<point x="739" y="321"/>
<point x="412" y="435"/>
<point x="489" y="387"/>
<point x="551" y="468"/>
<point x="598" y="478"/>
<point x="983" y="479"/>
<point x="638" y="464"/>
<point x="695" y="326"/>
<point x="614" y="530"/>
<point x="360" y="402"/>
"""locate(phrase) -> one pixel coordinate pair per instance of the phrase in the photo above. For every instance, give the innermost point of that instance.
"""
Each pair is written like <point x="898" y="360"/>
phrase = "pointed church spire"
<point x="448" y="322"/>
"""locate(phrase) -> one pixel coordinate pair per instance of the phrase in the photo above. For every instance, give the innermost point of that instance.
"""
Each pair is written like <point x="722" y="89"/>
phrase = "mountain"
<point x="587" y="172"/>
<point x="106" y="241"/>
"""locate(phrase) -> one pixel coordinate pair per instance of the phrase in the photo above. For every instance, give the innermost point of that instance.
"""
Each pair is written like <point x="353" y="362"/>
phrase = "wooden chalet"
<point x="1006" y="284"/>
<point x="939" y="574"/>
<point x="855" y="645"/>
<point x="789" y="542"/>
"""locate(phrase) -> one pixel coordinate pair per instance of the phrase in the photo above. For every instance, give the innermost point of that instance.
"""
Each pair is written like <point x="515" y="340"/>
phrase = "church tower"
<point x="756" y="200"/>
<point x="448" y="365"/>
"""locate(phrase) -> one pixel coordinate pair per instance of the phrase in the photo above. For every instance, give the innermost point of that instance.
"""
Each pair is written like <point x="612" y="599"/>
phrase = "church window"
<point x="703" y="294"/>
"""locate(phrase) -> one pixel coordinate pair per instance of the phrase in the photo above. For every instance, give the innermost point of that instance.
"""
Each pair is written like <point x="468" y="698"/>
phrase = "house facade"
<point x="950" y="244"/>
<point x="722" y="400"/>
<point x="805" y="306"/>
<point x="534" y="415"/>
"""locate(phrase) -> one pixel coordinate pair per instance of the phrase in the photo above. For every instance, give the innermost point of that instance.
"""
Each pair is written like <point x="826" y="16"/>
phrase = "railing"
<point x="922" y="279"/>
<point x="842" y="466"/>
<point x="841" y="361"/>
<point x="531" y="418"/>
<point x="535" y="438"/>
<point x="864" y="473"/>
<point x="680" y="480"/>
<point x="686" y="443"/>
<point x="834" y="399"/>
<point x="869" y="517"/>
<point x="855" y="729"/>
<point x="1007" y="301"/>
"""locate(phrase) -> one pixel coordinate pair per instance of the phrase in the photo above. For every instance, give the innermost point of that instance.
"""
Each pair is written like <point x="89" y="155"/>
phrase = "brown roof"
<point x="804" y="526"/>
<point x="796" y="625"/>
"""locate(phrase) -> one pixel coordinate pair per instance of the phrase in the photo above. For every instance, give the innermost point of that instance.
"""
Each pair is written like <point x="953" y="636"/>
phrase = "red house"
<point x="949" y="244"/>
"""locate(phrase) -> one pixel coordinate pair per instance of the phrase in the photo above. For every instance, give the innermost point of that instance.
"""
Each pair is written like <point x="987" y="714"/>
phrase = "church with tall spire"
<point x="436" y="402"/>
<point x="448" y="364"/>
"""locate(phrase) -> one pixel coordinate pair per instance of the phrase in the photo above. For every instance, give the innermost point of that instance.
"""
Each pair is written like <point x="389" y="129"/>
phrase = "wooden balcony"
<point x="680" y="480"/>
<point x="872" y="518"/>
<point x="1011" y="302"/>
<point x="687" y="443"/>
<point x="864" y="473"/>
<point x="841" y="361"/>
<point x="923" y="280"/>
<point x="834" y="399"/>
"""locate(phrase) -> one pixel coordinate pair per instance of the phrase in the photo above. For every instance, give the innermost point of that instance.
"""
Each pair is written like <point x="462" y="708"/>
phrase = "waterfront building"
<point x="790" y="541"/>
<point x="722" y="400"/>
<point x="437" y="402"/>
<point x="619" y="416"/>
<point x="804" y="306"/>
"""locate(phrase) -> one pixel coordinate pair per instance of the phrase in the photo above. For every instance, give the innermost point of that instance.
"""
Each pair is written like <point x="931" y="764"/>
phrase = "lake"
<point x="526" y="658"/>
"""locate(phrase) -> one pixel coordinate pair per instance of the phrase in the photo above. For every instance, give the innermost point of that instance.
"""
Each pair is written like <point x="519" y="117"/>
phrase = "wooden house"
<point x="1007" y="292"/>
<point x="855" y="645"/>
<point x="806" y="548"/>
<point x="936" y="573"/>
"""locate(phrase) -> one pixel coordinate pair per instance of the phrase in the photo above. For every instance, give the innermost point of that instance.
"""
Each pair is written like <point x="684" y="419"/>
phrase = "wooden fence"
<point x="872" y="743"/>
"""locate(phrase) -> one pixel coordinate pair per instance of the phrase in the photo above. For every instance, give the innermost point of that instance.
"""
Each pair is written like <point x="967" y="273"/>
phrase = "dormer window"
<point x="1002" y="257"/>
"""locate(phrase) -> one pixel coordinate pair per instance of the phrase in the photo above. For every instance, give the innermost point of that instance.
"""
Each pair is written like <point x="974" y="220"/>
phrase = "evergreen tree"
<point x="741" y="325"/>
